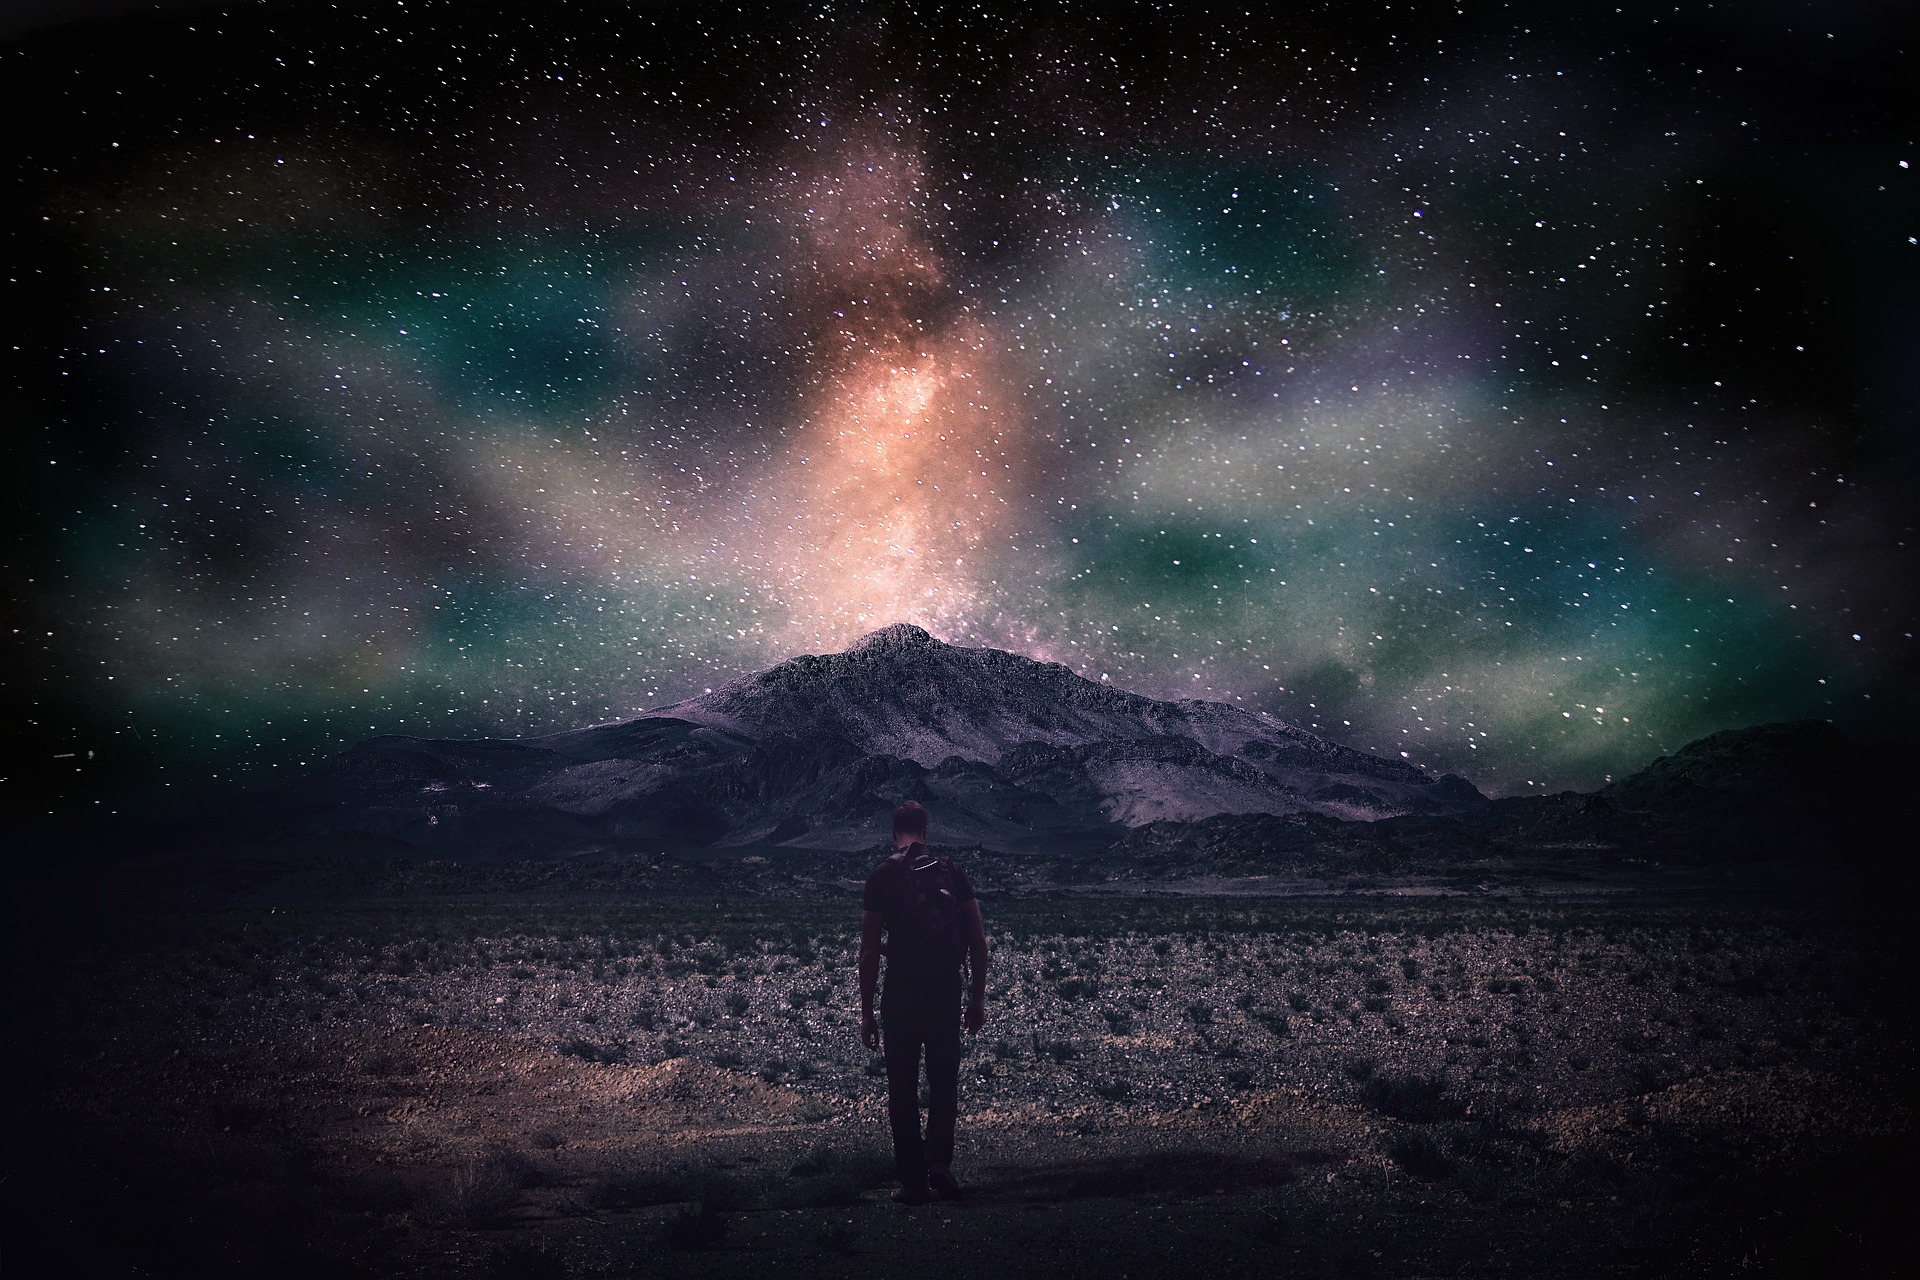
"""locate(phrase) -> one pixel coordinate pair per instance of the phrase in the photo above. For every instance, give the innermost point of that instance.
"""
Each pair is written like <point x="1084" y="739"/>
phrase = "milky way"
<point x="1524" y="396"/>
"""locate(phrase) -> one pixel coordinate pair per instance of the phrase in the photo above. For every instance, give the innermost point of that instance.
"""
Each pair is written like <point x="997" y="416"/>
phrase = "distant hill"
<point x="1010" y="753"/>
<point x="1799" y="791"/>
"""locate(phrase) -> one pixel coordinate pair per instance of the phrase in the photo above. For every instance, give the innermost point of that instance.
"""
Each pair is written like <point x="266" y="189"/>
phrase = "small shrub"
<point x="1647" y="1076"/>
<point x="482" y="1194"/>
<point x="621" y="1189"/>
<point x="1415" y="1099"/>
<point x="827" y="1177"/>
<point x="1276" y="1023"/>
<point x="1115" y="1090"/>
<point x="1637" y="1041"/>
<point x="1409" y="968"/>
<point x="1420" y="1154"/>
<point x="588" y="1051"/>
<point x="712" y="1189"/>
<point x="385" y="1063"/>
<point x="1119" y="1021"/>
<point x="816" y="1161"/>
<point x="737" y="1003"/>
<point x="1587" y="1173"/>
<point x="699" y="1228"/>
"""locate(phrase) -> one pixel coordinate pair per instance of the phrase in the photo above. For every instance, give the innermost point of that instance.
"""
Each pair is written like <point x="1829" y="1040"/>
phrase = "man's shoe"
<point x="941" y="1183"/>
<point x="904" y="1195"/>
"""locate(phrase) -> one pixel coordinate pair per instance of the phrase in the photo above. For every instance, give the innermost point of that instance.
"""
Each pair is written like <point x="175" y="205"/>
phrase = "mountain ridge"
<point x="815" y="751"/>
<point x="1029" y="758"/>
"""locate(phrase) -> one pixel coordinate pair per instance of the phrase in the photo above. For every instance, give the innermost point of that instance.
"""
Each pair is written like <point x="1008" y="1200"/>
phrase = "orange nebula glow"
<point x="907" y="457"/>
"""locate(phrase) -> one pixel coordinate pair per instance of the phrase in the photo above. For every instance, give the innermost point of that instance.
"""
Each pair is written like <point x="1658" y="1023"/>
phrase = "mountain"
<point x="1795" y="792"/>
<point x="1801" y="763"/>
<point x="1005" y="751"/>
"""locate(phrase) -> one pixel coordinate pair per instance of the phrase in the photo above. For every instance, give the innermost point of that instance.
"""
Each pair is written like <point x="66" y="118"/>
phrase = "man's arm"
<point x="871" y="923"/>
<point x="977" y="962"/>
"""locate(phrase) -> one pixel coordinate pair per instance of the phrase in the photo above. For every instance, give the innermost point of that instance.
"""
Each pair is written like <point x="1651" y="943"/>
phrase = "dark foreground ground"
<point x="257" y="1078"/>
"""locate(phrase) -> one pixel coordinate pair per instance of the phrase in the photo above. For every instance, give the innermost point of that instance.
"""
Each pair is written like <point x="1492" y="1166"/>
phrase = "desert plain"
<point x="648" y="1065"/>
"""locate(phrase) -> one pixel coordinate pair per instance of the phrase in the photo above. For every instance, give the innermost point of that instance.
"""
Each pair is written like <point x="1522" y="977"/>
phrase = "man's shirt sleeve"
<point x="876" y="897"/>
<point x="962" y="890"/>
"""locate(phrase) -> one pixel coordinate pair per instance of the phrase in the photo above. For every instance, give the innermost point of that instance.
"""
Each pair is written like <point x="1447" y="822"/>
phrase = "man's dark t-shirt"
<point x="907" y="981"/>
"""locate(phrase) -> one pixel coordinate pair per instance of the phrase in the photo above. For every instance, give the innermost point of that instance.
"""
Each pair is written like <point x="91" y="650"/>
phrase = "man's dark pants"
<point x="910" y="1023"/>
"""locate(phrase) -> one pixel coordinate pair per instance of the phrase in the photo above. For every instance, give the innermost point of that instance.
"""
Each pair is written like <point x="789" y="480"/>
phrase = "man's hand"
<point x="870" y="1031"/>
<point x="976" y="1016"/>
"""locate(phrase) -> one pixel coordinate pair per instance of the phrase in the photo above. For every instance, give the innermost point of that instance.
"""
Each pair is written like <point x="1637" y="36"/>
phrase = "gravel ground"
<point x="436" y="1087"/>
<point x="1537" y="1017"/>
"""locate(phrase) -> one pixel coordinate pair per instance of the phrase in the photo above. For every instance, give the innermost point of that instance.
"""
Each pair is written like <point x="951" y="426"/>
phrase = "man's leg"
<point x="943" y="1086"/>
<point x="901" y="1041"/>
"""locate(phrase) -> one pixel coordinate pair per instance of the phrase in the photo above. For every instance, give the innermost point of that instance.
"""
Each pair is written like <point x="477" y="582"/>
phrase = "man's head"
<point x="909" y="824"/>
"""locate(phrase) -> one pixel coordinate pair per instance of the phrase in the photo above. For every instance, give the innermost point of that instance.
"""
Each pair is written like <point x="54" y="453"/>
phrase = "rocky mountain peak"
<point x="899" y="637"/>
<point x="817" y="750"/>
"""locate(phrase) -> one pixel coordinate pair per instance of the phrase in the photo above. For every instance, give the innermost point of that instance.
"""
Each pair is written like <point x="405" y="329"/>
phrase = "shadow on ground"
<point x="1164" y="1173"/>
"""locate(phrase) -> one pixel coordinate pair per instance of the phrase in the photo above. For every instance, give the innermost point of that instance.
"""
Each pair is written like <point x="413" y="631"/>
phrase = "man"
<point x="932" y="921"/>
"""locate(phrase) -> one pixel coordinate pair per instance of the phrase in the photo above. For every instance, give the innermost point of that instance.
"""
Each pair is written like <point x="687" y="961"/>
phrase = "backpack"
<point x="926" y="932"/>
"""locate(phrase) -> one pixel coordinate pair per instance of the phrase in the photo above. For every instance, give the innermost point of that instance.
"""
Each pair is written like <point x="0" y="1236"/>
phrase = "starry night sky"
<point x="1525" y="394"/>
